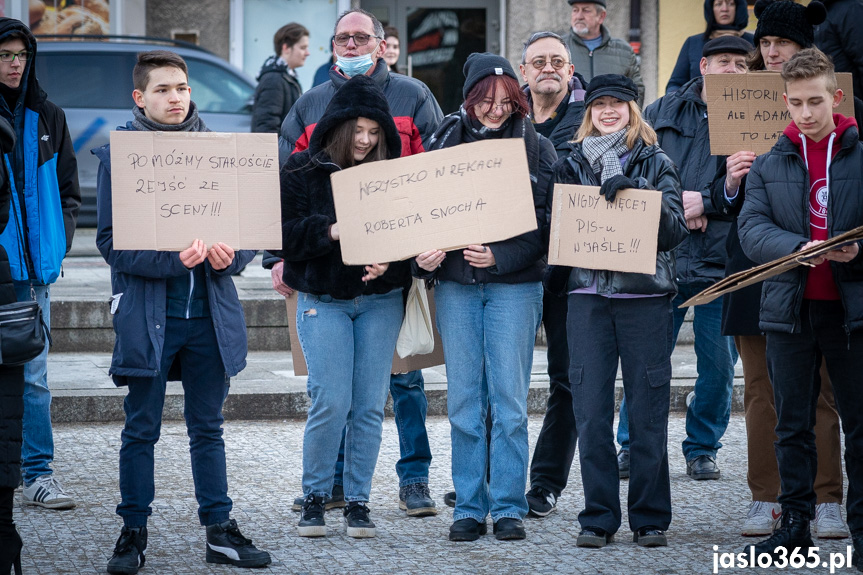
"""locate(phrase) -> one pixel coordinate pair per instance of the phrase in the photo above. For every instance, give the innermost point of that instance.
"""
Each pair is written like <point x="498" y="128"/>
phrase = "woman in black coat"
<point x="11" y="393"/>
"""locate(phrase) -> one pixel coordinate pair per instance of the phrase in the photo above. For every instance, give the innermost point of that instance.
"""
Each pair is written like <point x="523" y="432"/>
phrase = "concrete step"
<point x="84" y="392"/>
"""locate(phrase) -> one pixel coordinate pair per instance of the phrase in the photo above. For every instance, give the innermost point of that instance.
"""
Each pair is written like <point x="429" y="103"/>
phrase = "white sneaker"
<point x="761" y="519"/>
<point x="828" y="522"/>
<point x="46" y="492"/>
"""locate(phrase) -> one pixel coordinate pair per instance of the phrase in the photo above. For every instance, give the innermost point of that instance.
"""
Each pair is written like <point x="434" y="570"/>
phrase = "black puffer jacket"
<point x="517" y="260"/>
<point x="839" y="37"/>
<point x="11" y="378"/>
<point x="313" y="262"/>
<point x="654" y="170"/>
<point x="774" y="222"/>
<point x="275" y="95"/>
<point x="680" y="121"/>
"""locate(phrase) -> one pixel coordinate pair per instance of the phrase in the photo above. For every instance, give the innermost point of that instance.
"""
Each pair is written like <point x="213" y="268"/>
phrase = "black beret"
<point x="615" y="85"/>
<point x="482" y="64"/>
<point x="600" y="2"/>
<point x="788" y="19"/>
<point x="727" y="45"/>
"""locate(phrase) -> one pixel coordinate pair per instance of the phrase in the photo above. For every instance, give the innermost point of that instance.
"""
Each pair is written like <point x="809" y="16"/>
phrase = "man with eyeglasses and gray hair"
<point x="359" y="45"/>
<point x="594" y="51"/>
<point x="555" y="95"/>
<point x="44" y="208"/>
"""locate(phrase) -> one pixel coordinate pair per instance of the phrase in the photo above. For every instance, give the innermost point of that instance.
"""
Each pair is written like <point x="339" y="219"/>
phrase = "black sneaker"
<point x="702" y="467"/>
<point x="509" y="529"/>
<point x="467" y="529"/>
<point x="128" y="554"/>
<point x="227" y="546"/>
<point x="337" y="500"/>
<point x="793" y="531"/>
<point x="650" y="536"/>
<point x="593" y="537"/>
<point x="357" y="520"/>
<point x="449" y="498"/>
<point x="312" y="522"/>
<point x="623" y="463"/>
<point x="540" y="501"/>
<point x="416" y="500"/>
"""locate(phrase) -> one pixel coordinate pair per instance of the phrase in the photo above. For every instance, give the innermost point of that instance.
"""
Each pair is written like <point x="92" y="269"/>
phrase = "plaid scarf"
<point x="604" y="152"/>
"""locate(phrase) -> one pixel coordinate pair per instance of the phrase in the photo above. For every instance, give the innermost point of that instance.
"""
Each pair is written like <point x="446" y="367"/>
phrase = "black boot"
<point x="793" y="532"/>
<point x="10" y="541"/>
<point x="128" y="554"/>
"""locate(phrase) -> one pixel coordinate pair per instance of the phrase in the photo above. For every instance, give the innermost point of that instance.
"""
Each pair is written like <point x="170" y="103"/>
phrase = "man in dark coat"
<point x="555" y="93"/>
<point x="278" y="85"/>
<point x="839" y="37"/>
<point x="44" y="208"/>
<point x="680" y="121"/>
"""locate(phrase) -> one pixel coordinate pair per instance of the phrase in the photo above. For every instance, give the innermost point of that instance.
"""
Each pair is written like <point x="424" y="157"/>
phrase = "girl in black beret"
<point x="489" y="303"/>
<point x="348" y="317"/>
<point x="621" y="316"/>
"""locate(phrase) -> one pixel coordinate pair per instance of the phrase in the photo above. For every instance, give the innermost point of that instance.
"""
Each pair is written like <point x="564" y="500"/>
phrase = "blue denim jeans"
<point x="348" y="345"/>
<point x="488" y="328"/>
<point x="410" y="406"/>
<point x="708" y="415"/>
<point x="192" y="343"/>
<point x="37" y="450"/>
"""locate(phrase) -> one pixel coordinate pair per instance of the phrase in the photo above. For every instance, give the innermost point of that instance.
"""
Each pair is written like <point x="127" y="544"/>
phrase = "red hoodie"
<point x="817" y="156"/>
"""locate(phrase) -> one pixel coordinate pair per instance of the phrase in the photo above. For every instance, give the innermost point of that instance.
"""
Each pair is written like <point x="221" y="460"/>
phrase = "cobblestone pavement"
<point x="264" y="466"/>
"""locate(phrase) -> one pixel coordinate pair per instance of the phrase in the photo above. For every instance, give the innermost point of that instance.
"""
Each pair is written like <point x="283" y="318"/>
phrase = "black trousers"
<point x="638" y="332"/>
<point x="793" y="361"/>
<point x="555" y="446"/>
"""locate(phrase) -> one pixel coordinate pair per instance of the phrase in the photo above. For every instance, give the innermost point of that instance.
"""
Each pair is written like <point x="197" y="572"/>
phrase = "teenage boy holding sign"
<point x="172" y="310"/>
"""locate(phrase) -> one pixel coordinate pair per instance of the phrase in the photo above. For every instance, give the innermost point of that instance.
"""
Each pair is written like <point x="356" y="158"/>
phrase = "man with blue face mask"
<point x="359" y="46"/>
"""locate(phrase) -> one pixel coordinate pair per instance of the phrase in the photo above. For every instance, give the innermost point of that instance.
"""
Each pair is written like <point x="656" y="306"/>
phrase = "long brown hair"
<point x="339" y="145"/>
<point x="638" y="128"/>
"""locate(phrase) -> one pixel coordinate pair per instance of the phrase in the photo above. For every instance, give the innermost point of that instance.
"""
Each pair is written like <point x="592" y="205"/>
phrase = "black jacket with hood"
<point x="313" y="262"/>
<point x="840" y="38"/>
<point x="653" y="170"/>
<point x="680" y="121"/>
<point x="774" y="222"/>
<point x="689" y="60"/>
<point x="276" y="93"/>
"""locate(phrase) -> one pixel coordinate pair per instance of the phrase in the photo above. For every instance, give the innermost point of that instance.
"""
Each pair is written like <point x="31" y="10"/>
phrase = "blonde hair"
<point x="638" y="128"/>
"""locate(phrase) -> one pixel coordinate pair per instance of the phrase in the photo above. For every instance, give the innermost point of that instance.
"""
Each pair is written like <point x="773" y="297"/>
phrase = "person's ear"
<point x="523" y="71"/>
<point x="837" y="97"/>
<point x="703" y="66"/>
<point x="138" y="97"/>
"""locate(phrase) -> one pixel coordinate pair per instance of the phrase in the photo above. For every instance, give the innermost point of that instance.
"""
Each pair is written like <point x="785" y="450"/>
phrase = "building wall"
<point x="211" y="18"/>
<point x="677" y="21"/>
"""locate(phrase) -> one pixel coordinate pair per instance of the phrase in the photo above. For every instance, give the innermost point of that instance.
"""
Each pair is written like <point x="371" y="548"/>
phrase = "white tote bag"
<point x="416" y="336"/>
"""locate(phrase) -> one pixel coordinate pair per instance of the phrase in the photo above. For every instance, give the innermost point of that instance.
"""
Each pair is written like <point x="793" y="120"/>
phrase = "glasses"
<point x="359" y="39"/>
<point x="9" y="56"/>
<point x="556" y="63"/>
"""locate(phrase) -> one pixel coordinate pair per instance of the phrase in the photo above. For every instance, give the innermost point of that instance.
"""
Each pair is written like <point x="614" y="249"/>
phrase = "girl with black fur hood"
<point x="348" y="317"/>
<point x="723" y="17"/>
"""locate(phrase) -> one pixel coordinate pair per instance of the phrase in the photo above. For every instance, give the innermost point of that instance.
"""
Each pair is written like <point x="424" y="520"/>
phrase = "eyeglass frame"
<point x="548" y="61"/>
<point x="356" y="40"/>
<point x="24" y="53"/>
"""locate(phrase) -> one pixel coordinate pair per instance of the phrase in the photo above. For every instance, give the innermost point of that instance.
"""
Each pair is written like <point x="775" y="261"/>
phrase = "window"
<point x="216" y="90"/>
<point x="87" y="79"/>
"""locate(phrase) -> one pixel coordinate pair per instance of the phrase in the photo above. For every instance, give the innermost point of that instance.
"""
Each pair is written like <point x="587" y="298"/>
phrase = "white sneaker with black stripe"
<point x="46" y="492"/>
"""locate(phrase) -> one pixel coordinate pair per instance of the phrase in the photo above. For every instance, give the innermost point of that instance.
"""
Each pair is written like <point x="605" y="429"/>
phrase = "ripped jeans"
<point x="348" y="346"/>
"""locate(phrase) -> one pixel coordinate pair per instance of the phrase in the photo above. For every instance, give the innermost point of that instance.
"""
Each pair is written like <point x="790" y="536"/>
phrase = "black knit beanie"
<point x="788" y="19"/>
<point x="482" y="64"/>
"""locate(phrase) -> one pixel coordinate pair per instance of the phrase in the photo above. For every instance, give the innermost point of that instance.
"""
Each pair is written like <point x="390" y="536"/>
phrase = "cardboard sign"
<point x="446" y="199"/>
<point x="169" y="188"/>
<point x="747" y="111"/>
<point x="411" y="363"/>
<point x="587" y="231"/>
<point x="760" y="273"/>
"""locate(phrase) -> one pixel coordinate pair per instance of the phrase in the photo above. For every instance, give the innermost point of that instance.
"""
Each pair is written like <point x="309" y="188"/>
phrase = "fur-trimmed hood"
<point x="359" y="97"/>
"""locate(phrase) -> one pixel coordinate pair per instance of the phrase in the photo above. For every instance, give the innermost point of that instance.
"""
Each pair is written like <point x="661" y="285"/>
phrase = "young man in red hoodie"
<point x="807" y="189"/>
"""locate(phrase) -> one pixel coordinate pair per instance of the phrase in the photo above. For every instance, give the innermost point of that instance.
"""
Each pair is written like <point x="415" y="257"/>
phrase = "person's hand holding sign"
<point x="431" y="260"/>
<point x="193" y="255"/>
<point x="220" y="256"/>
<point x="844" y="254"/>
<point x="375" y="271"/>
<point x="479" y="256"/>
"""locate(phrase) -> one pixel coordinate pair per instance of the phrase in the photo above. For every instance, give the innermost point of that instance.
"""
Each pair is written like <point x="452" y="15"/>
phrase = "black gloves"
<point x="612" y="185"/>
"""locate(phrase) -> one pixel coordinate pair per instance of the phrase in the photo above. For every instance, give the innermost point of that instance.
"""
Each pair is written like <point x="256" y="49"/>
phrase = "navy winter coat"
<point x="138" y="282"/>
<point x="774" y="222"/>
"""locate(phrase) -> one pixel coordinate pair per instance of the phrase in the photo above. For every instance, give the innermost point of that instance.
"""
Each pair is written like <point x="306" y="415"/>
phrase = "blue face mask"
<point x="355" y="66"/>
